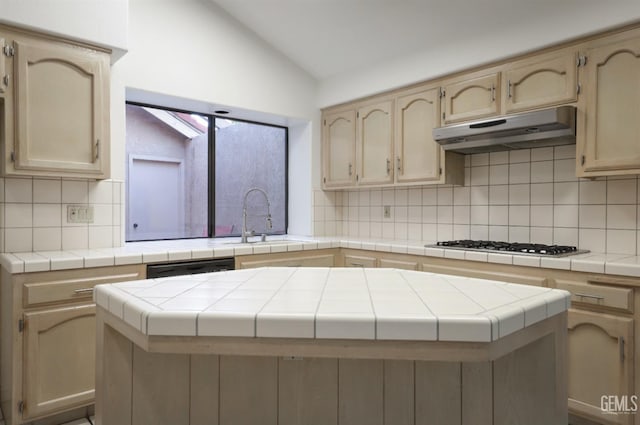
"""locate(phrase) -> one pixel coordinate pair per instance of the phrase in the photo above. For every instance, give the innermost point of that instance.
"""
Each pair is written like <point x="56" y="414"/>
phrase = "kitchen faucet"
<point x="245" y="233"/>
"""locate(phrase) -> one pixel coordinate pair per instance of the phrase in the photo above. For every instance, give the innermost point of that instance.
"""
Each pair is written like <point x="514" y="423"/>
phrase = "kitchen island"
<point x="330" y="346"/>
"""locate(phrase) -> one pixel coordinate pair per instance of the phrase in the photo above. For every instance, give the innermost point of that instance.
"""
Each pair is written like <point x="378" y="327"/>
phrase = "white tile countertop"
<point x="196" y="249"/>
<point x="380" y="304"/>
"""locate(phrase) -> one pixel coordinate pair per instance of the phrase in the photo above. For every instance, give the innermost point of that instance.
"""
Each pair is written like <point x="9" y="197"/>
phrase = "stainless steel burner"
<point x="510" y="247"/>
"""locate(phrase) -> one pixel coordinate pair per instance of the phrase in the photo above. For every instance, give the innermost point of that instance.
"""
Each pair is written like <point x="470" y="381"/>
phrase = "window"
<point x="191" y="175"/>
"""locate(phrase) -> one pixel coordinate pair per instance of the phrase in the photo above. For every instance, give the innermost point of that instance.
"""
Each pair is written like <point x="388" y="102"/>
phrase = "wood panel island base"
<point x="330" y="346"/>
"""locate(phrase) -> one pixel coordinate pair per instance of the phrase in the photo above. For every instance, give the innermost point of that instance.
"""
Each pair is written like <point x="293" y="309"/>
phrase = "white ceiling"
<point x="327" y="38"/>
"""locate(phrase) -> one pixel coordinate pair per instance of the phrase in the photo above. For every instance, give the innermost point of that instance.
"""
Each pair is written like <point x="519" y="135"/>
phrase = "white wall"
<point x="190" y="53"/>
<point x="511" y="38"/>
<point x="102" y="22"/>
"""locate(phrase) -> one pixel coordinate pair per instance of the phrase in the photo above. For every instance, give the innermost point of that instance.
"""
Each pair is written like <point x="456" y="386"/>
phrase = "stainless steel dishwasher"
<point x="190" y="267"/>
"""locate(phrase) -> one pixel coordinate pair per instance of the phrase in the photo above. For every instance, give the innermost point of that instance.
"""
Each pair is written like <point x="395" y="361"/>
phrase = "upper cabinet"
<point x="56" y="109"/>
<point x="470" y="98"/>
<point x="375" y="144"/>
<point x="339" y="149"/>
<point x="418" y="157"/>
<point x="609" y="134"/>
<point x="540" y="81"/>
<point x="387" y="142"/>
<point x="391" y="134"/>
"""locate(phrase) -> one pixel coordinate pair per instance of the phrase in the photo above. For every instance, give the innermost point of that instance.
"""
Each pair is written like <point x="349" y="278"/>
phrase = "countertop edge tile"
<point x="167" y="323"/>
<point x="464" y="328"/>
<point x="154" y="257"/>
<point x="285" y="325"/>
<point x="221" y="323"/>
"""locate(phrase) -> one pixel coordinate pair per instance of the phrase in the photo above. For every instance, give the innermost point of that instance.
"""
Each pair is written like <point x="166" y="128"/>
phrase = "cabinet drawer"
<point x="73" y="285"/>
<point x="359" y="261"/>
<point x="598" y="295"/>
<point x="398" y="264"/>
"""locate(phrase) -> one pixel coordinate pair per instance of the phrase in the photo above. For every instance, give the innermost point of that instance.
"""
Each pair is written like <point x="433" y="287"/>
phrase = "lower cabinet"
<point x="319" y="258"/>
<point x="48" y="348"/>
<point x="59" y="359"/>
<point x="601" y="368"/>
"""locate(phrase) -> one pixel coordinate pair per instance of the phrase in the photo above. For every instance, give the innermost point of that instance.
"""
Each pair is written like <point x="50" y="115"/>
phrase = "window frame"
<point x="211" y="144"/>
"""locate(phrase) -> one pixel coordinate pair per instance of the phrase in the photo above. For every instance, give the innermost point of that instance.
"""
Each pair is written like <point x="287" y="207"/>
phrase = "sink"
<point x="259" y="242"/>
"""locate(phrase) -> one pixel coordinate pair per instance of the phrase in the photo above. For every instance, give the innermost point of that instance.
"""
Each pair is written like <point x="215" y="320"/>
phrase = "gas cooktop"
<point x="510" y="247"/>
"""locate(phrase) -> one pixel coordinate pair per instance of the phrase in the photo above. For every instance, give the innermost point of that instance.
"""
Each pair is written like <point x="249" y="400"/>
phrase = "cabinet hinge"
<point x="578" y="88"/>
<point x="21" y="406"/>
<point x="443" y="116"/>
<point x="9" y="50"/>
<point x="357" y="114"/>
<point x="324" y="179"/>
<point x="357" y="177"/>
<point x="20" y="325"/>
<point x="325" y="122"/>
<point x="13" y="157"/>
<point x="5" y="80"/>
<point x="582" y="160"/>
<point x="442" y="93"/>
<point x="440" y="170"/>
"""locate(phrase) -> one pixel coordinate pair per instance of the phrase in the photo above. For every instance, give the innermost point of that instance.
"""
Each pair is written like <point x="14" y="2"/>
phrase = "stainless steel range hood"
<point x="548" y="127"/>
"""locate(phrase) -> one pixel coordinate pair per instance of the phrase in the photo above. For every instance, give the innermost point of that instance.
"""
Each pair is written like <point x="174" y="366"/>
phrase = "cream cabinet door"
<point x="339" y="149"/>
<point x="375" y="144"/>
<point x="611" y="101"/>
<point x="541" y="81"/>
<point x="418" y="156"/>
<point x="5" y="78"/>
<point x="600" y="349"/>
<point x="61" y="110"/>
<point x="473" y="98"/>
<point x="59" y="360"/>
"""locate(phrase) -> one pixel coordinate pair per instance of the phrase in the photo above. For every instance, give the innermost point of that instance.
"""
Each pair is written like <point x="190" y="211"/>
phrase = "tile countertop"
<point x="343" y="303"/>
<point x="197" y="249"/>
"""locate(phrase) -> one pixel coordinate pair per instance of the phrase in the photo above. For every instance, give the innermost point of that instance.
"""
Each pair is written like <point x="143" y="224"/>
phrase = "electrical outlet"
<point x="387" y="211"/>
<point x="79" y="214"/>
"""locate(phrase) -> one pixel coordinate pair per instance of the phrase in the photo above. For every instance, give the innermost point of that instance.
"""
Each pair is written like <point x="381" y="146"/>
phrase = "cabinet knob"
<point x="135" y="225"/>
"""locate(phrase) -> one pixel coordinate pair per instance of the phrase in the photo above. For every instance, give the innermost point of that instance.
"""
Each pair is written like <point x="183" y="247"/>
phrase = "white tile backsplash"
<point x="518" y="195"/>
<point x="75" y="192"/>
<point x="18" y="190"/>
<point x="622" y="192"/>
<point x="47" y="191"/>
<point x="33" y="214"/>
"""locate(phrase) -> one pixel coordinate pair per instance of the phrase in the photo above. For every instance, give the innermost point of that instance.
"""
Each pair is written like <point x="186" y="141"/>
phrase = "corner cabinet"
<point x="56" y="108"/>
<point x="609" y="140"/>
<point x="47" y="319"/>
<point x="386" y="142"/>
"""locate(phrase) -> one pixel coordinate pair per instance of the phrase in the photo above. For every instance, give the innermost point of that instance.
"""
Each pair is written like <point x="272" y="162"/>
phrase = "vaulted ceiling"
<point x="329" y="37"/>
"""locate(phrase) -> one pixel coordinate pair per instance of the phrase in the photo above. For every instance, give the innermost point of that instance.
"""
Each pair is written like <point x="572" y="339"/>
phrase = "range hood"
<point x="548" y="127"/>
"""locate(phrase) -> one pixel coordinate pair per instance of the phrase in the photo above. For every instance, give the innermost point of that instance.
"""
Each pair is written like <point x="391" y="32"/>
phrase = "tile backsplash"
<point x="33" y="214"/>
<point x="529" y="195"/>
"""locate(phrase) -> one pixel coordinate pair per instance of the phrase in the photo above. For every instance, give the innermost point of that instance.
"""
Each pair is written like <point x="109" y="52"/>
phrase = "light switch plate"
<point x="79" y="214"/>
